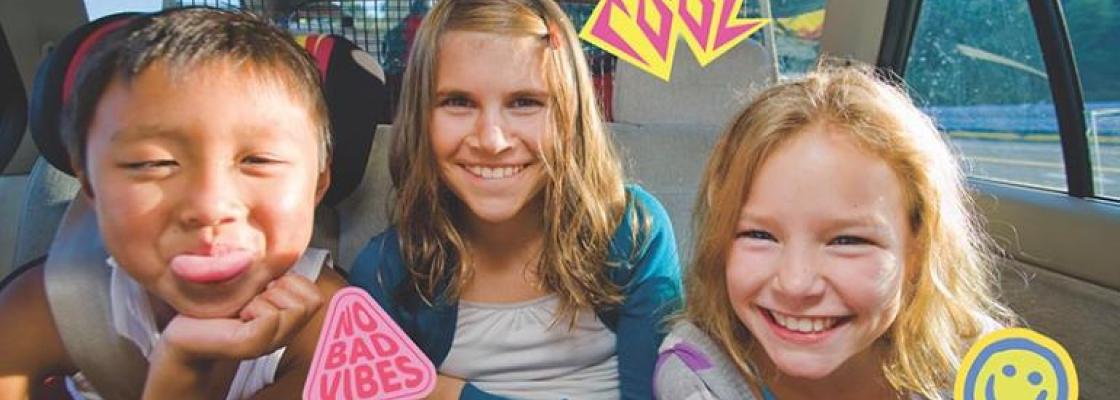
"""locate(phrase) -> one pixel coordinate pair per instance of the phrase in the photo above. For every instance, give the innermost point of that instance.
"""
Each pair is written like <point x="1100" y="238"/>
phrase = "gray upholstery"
<point x="366" y="212"/>
<point x="1083" y="317"/>
<point x="668" y="160"/>
<point x="48" y="193"/>
<point x="11" y="198"/>
<point x="708" y="95"/>
<point x="76" y="281"/>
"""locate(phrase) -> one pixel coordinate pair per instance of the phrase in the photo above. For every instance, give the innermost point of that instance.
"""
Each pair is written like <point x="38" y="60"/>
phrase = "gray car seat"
<point x="13" y="123"/>
<point x="50" y="185"/>
<point x="694" y="94"/>
<point x="13" y="104"/>
<point x="666" y="130"/>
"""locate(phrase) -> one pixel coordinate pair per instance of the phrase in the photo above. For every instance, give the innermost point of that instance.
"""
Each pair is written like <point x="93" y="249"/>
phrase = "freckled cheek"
<point x="869" y="284"/>
<point x="747" y="272"/>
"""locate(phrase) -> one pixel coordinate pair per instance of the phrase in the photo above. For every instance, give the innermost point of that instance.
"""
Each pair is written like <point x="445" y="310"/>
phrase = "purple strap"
<point x="689" y="354"/>
<point x="692" y="358"/>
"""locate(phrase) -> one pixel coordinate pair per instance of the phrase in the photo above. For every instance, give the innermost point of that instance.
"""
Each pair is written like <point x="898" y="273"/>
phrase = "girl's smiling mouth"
<point x="802" y="328"/>
<point x="494" y="172"/>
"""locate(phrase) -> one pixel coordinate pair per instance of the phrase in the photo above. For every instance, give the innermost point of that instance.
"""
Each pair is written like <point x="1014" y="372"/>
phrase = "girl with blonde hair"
<point x="519" y="261"/>
<point x="837" y="256"/>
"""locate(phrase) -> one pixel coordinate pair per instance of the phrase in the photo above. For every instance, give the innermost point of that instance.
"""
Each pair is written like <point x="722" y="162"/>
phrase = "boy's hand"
<point x="189" y="346"/>
<point x="267" y="323"/>
<point x="447" y="387"/>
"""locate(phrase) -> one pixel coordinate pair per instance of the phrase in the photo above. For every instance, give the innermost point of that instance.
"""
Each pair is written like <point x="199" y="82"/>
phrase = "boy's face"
<point x="204" y="185"/>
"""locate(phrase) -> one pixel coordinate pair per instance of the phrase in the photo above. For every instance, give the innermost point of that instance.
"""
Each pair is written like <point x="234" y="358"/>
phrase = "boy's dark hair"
<point x="183" y="39"/>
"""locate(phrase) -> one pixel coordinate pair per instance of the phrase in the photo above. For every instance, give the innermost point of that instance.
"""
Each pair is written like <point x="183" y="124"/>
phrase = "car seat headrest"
<point x="13" y="104"/>
<point x="53" y="83"/>
<point x="353" y="84"/>
<point x="357" y="100"/>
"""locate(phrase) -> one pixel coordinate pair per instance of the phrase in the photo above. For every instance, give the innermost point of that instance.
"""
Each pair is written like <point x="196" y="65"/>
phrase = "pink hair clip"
<point x="553" y="37"/>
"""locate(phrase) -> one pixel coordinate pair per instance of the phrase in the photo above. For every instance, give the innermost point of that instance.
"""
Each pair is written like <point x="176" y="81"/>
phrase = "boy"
<point x="190" y="133"/>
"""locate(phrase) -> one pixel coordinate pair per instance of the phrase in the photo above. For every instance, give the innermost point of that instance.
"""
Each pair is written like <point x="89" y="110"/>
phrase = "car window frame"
<point x="1049" y="22"/>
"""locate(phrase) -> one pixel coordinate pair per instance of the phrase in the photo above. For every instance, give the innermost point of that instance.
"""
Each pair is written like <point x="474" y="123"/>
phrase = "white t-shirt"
<point x="520" y="350"/>
<point x="133" y="319"/>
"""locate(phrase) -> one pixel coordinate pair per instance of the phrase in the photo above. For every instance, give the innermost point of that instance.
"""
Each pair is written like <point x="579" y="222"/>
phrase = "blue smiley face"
<point x="1008" y="382"/>
<point x="1015" y="364"/>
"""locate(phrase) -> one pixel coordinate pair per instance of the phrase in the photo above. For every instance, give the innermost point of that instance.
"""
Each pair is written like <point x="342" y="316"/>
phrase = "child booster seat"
<point x="76" y="276"/>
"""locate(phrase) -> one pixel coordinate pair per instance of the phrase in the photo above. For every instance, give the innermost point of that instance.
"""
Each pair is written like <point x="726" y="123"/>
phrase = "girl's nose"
<point x="798" y="276"/>
<point x="490" y="136"/>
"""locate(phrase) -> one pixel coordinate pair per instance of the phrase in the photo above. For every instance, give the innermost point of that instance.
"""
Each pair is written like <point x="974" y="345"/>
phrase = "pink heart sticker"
<point x="363" y="354"/>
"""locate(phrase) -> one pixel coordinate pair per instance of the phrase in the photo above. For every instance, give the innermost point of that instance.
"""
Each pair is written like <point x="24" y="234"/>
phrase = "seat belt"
<point x="76" y="279"/>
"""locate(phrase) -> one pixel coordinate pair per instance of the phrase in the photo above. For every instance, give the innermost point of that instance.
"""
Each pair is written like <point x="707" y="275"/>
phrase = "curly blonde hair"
<point x="948" y="295"/>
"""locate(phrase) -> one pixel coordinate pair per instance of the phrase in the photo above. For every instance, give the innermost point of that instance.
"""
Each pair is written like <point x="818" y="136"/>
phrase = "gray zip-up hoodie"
<point x="691" y="366"/>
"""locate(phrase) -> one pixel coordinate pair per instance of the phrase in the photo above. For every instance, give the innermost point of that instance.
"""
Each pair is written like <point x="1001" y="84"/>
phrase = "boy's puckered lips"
<point x="212" y="264"/>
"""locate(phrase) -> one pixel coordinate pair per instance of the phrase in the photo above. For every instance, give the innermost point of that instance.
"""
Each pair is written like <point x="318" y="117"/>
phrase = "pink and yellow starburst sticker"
<point x="645" y="32"/>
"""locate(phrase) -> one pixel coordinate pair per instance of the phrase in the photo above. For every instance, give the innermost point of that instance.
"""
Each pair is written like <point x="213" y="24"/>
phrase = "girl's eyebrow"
<point x="530" y="93"/>
<point x="748" y="216"/>
<point x="451" y="93"/>
<point x="873" y="222"/>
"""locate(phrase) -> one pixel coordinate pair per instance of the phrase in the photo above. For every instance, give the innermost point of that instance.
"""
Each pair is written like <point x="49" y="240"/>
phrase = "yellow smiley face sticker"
<point x="1016" y="364"/>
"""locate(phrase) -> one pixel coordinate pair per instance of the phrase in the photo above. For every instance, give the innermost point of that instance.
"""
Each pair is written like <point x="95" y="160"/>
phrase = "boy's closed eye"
<point x="148" y="164"/>
<point x="263" y="160"/>
<point x="150" y="169"/>
<point x="263" y="164"/>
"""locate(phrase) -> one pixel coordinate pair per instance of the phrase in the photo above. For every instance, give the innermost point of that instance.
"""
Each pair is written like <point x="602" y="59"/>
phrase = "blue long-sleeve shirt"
<point x="645" y="266"/>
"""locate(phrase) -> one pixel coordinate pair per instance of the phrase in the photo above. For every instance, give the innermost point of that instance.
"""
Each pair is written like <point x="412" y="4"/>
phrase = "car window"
<point x="977" y="69"/>
<point x="1093" y="28"/>
<point x="797" y="32"/>
<point x="99" y="8"/>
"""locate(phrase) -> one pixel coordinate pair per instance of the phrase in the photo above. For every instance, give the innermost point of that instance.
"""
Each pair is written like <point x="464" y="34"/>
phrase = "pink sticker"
<point x="363" y="354"/>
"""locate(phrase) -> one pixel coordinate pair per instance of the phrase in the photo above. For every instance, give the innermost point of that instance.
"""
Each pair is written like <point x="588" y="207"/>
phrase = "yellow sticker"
<point x="1016" y="364"/>
<point x="645" y="32"/>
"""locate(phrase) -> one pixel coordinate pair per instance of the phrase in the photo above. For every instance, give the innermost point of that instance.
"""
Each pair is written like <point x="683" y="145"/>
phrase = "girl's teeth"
<point x="494" y="173"/>
<point x="804" y="324"/>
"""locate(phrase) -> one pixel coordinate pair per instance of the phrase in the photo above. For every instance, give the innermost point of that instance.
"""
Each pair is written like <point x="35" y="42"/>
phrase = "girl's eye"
<point x="848" y="240"/>
<point x="455" y="101"/>
<point x="755" y="234"/>
<point x="526" y="102"/>
<point x="148" y="164"/>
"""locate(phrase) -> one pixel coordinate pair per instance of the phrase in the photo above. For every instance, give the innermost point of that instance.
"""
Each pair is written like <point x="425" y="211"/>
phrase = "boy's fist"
<point x="267" y="323"/>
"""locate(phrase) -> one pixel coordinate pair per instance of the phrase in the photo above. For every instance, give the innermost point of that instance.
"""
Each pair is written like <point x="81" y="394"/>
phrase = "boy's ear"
<point x="83" y="178"/>
<point x="323" y="184"/>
